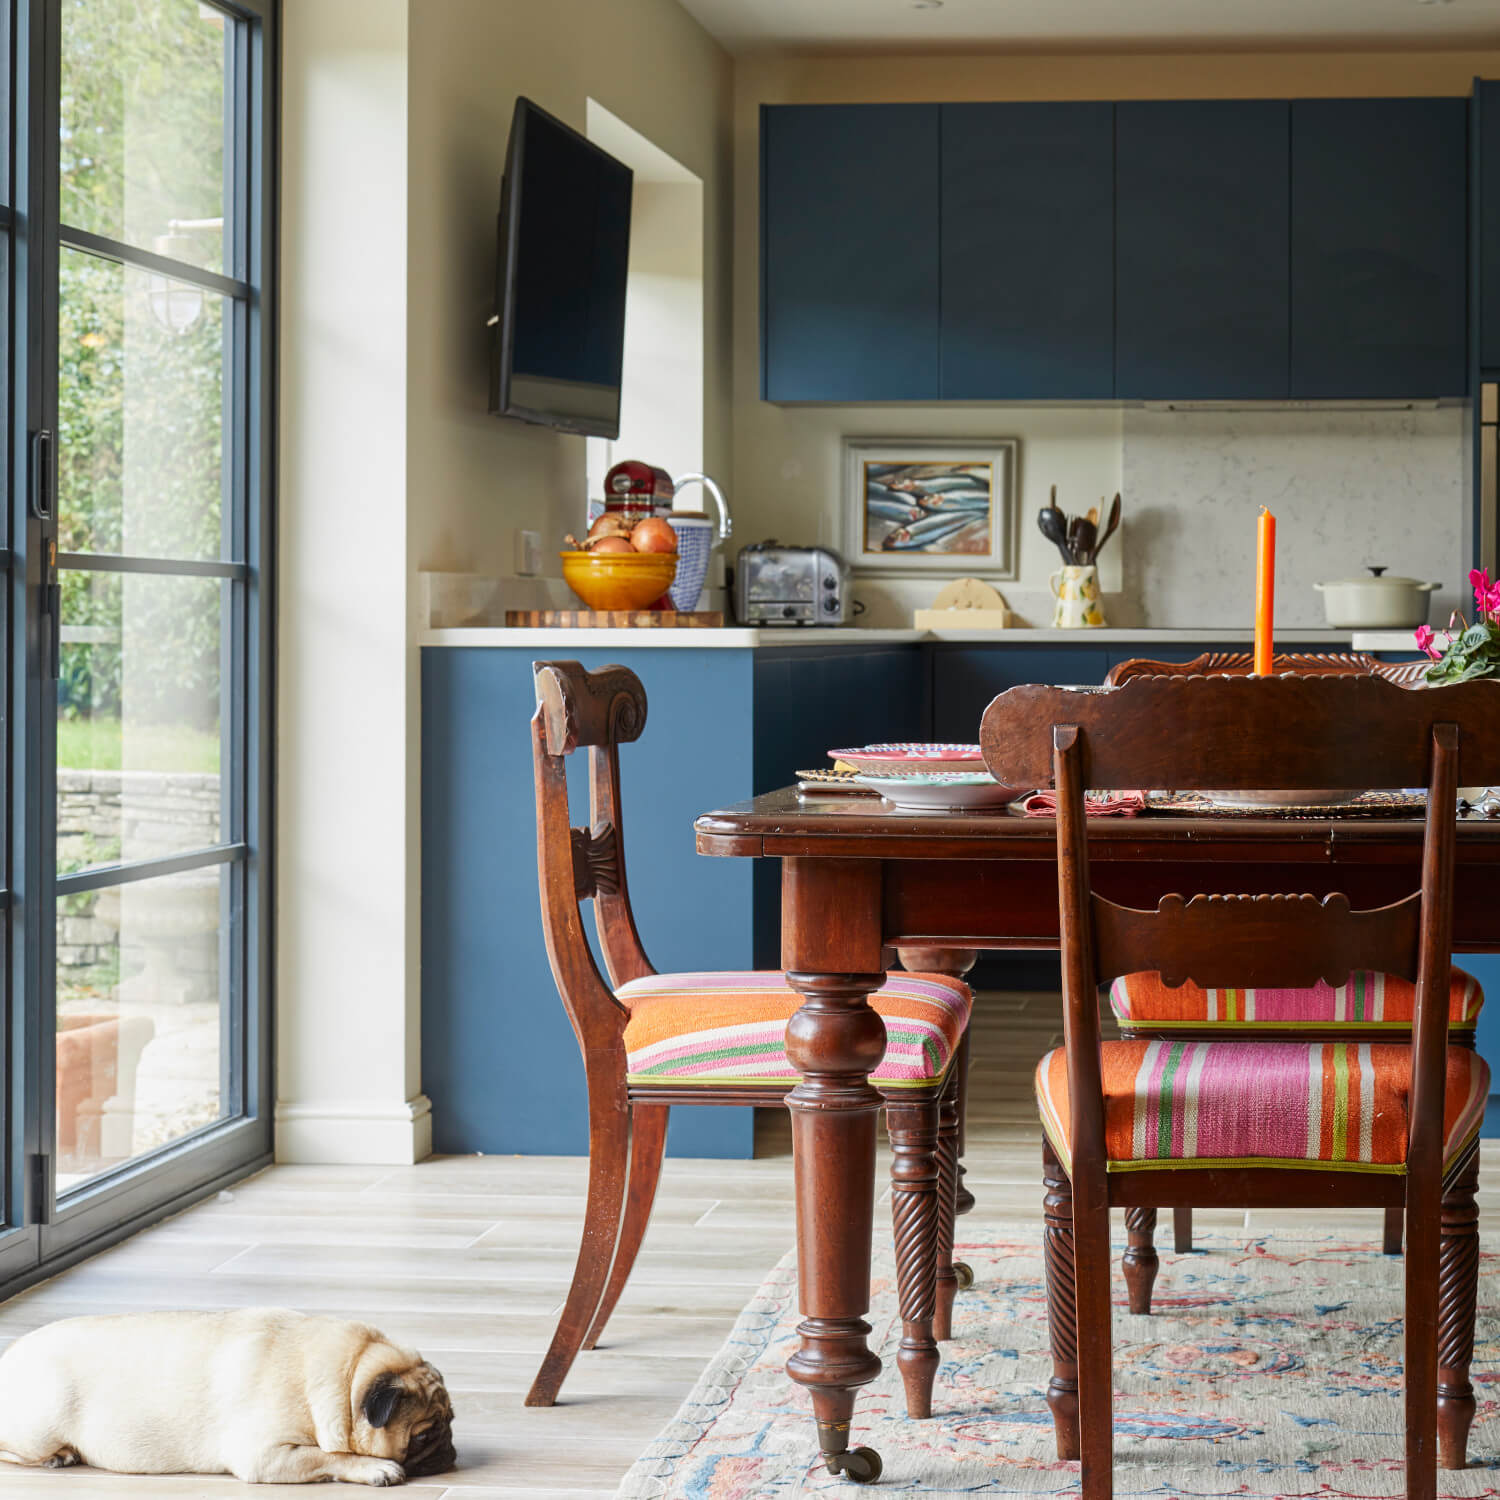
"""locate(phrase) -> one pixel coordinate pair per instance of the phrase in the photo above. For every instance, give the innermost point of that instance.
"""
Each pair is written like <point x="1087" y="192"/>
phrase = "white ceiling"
<point x="1101" y="25"/>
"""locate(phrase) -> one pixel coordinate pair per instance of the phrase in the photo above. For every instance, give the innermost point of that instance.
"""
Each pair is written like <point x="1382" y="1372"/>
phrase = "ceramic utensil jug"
<point x="1076" y="590"/>
<point x="697" y="536"/>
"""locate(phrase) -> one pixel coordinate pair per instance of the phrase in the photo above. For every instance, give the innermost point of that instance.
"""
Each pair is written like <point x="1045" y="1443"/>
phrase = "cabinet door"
<point x="1379" y="218"/>
<point x="849" y="252"/>
<point x="1487" y="206"/>
<point x="1028" y="251"/>
<point x="1201" y="249"/>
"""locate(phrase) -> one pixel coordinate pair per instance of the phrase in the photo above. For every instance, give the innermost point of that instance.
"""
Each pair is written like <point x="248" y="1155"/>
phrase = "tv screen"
<point x="559" y="335"/>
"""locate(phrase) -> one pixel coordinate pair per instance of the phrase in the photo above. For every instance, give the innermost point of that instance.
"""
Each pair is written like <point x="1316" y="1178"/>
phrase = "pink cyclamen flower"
<point x="1491" y="605"/>
<point x="1484" y="592"/>
<point x="1425" y="634"/>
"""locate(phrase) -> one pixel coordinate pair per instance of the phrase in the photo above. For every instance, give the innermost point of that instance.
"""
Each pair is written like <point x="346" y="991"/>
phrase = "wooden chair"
<point x="1140" y="1258"/>
<point x="1350" y="731"/>
<point x="651" y="1040"/>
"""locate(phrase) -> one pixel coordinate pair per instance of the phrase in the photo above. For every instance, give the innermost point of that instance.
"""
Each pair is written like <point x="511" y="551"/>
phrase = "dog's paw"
<point x="380" y="1472"/>
<point x="64" y="1458"/>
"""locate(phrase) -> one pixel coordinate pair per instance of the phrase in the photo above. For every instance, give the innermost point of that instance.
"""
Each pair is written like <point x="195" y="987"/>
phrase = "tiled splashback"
<point x="1348" y="488"/>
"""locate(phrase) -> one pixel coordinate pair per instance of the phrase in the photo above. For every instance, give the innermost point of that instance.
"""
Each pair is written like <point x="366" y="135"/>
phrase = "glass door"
<point x="144" y="972"/>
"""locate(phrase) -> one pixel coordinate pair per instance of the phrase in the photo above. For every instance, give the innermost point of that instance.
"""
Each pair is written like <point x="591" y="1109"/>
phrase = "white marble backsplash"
<point x="1349" y="489"/>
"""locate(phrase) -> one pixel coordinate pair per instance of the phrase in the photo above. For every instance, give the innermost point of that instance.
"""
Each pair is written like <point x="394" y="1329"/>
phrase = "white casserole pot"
<point x="1376" y="602"/>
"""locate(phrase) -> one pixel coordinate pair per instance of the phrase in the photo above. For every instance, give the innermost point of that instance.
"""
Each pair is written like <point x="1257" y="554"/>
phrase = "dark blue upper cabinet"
<point x="1028" y="251"/>
<point x="1379" y="225"/>
<point x="1201" y="244"/>
<point x="849" y="252"/>
<point x="1487" y="215"/>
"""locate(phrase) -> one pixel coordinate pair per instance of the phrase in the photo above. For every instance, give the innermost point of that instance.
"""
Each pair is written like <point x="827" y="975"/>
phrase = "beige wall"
<point x="348" y="1066"/>
<point x="787" y="476"/>
<point x="395" y="120"/>
<point x="472" y="477"/>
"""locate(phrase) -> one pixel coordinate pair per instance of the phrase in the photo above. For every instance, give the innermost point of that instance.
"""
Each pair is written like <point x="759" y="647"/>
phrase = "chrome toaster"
<point x="776" y="585"/>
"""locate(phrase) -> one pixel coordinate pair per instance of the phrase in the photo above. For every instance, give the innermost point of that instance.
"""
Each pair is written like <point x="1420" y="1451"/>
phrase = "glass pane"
<point x="140" y="412"/>
<point x="142" y="138"/>
<point x="141" y="1018"/>
<point x="137" y="717"/>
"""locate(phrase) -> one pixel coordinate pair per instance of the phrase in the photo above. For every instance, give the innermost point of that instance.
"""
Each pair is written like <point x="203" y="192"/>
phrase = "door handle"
<point x="43" y="474"/>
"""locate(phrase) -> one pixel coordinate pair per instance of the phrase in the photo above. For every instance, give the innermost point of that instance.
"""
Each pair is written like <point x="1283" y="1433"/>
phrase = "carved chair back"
<point x="1348" y="731"/>
<point x="1242" y="663"/>
<point x="597" y="712"/>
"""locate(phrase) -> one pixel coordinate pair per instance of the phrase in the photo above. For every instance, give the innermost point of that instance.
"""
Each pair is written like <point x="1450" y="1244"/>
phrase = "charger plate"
<point x="1366" y="805"/>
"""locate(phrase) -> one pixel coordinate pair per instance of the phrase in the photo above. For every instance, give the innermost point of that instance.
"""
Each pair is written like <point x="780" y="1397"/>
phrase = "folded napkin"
<point x="1043" y="804"/>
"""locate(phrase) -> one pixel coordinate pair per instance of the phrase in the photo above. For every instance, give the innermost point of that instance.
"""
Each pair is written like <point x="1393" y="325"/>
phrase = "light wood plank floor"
<point x="468" y="1259"/>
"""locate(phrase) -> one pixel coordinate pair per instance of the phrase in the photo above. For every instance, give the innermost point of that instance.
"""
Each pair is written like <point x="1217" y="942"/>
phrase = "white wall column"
<point x="347" y="1004"/>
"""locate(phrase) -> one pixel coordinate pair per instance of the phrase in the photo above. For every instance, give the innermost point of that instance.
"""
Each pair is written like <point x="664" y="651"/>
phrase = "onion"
<point x="610" y="544"/>
<point x="654" y="534"/>
<point x="611" y="525"/>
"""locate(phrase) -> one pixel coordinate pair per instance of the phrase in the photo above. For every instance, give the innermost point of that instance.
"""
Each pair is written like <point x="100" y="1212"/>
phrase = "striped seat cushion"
<point x="731" y="1027"/>
<point x="1284" y="1104"/>
<point x="1370" y="1002"/>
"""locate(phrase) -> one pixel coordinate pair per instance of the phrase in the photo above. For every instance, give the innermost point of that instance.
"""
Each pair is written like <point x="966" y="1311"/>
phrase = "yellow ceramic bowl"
<point x="619" y="580"/>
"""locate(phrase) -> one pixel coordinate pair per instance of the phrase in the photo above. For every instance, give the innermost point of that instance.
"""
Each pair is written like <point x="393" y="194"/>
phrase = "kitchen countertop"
<point x="739" y="637"/>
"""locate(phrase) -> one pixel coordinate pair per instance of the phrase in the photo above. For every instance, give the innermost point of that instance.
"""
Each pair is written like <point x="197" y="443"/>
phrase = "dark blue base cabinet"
<point x="498" y="1054"/>
<point x="499" y="1061"/>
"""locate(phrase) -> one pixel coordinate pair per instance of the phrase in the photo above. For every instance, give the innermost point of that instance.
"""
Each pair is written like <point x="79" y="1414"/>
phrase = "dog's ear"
<point x="382" y="1399"/>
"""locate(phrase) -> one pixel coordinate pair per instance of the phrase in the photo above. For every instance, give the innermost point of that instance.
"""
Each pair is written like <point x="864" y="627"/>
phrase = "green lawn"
<point x="94" y="744"/>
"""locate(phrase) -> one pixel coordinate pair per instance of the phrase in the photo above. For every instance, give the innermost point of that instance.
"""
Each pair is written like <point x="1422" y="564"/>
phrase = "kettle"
<point x="697" y="537"/>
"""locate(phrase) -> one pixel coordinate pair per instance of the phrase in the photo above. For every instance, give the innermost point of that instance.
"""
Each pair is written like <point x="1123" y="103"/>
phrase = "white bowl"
<point x="952" y="792"/>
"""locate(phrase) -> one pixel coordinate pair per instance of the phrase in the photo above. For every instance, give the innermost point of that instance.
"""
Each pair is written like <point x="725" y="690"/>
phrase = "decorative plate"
<point x="822" y="783"/>
<point x="950" y="791"/>
<point x="910" y="755"/>
<point x="1264" y="800"/>
<point x="1366" y="805"/>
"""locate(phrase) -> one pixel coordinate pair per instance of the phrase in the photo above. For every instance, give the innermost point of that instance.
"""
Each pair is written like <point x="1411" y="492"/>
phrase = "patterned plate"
<point x="910" y="756"/>
<point x="1367" y="805"/>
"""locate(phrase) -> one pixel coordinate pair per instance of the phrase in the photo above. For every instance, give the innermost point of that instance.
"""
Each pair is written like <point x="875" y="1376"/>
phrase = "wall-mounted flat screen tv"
<point x="559" y="333"/>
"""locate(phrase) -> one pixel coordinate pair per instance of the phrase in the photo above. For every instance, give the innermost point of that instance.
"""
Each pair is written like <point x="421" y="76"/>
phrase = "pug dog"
<point x="268" y="1395"/>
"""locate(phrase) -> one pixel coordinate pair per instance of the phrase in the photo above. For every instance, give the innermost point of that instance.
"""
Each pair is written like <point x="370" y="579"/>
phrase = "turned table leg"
<point x="834" y="1041"/>
<point x="913" y="1126"/>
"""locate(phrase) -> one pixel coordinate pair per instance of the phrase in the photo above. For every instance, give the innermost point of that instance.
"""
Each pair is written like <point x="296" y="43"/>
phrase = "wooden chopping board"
<point x="616" y="619"/>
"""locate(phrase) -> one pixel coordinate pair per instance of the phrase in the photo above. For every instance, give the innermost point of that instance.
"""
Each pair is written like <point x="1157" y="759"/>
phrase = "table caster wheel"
<point x="964" y="1274"/>
<point x="862" y="1465"/>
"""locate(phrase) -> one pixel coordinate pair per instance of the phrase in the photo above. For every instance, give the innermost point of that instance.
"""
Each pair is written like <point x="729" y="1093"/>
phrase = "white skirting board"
<point x="354" y="1132"/>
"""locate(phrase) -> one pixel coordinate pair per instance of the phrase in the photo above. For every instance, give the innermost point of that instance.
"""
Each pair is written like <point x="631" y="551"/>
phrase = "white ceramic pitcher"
<point x="1076" y="590"/>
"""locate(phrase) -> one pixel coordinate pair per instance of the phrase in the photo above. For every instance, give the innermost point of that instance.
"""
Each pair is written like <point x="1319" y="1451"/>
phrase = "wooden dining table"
<point x="861" y="880"/>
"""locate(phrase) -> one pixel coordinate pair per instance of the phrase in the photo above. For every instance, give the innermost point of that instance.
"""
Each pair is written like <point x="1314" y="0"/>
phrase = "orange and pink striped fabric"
<point x="730" y="1027"/>
<point x="1368" y="1002"/>
<point x="1308" y="1104"/>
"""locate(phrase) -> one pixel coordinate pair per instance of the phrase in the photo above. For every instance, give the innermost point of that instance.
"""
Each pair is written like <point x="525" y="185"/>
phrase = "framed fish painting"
<point x="929" y="507"/>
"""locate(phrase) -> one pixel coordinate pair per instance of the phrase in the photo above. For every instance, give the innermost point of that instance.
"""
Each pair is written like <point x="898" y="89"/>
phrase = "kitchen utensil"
<point x="1054" y="526"/>
<point x="936" y="792"/>
<point x="619" y="580"/>
<point x="1076" y="590"/>
<point x="1110" y="523"/>
<point x="1377" y="602"/>
<point x="1081" y="536"/>
<point x="911" y="757"/>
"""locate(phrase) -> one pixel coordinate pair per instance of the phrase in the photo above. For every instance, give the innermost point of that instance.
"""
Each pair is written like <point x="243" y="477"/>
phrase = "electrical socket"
<point x="527" y="559"/>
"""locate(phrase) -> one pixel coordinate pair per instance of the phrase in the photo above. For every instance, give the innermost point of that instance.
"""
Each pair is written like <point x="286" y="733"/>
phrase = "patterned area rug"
<point x="1271" y="1368"/>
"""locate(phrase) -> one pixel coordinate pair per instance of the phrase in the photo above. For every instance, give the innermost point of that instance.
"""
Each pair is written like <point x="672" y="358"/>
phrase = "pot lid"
<point x="1376" y="577"/>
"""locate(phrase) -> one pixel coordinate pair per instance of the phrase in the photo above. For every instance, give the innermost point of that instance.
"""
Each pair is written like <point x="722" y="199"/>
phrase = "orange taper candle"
<point x="1265" y="590"/>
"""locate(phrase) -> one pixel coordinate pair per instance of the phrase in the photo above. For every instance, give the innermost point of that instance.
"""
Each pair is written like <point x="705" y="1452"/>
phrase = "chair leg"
<point x="949" y="1272"/>
<point x="913" y="1127"/>
<point x="1062" y="1302"/>
<point x="1141" y="1261"/>
<point x="1091" y="1271"/>
<point x="965" y="1199"/>
<point x="609" y="1166"/>
<point x="1423" y="1241"/>
<point x="1458" y="1289"/>
<point x="1394" y="1223"/>
<point x="648" y="1144"/>
<point x="1182" y="1230"/>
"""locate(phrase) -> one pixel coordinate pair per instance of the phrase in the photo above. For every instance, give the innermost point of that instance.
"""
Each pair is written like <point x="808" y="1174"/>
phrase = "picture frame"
<point x="931" y="507"/>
